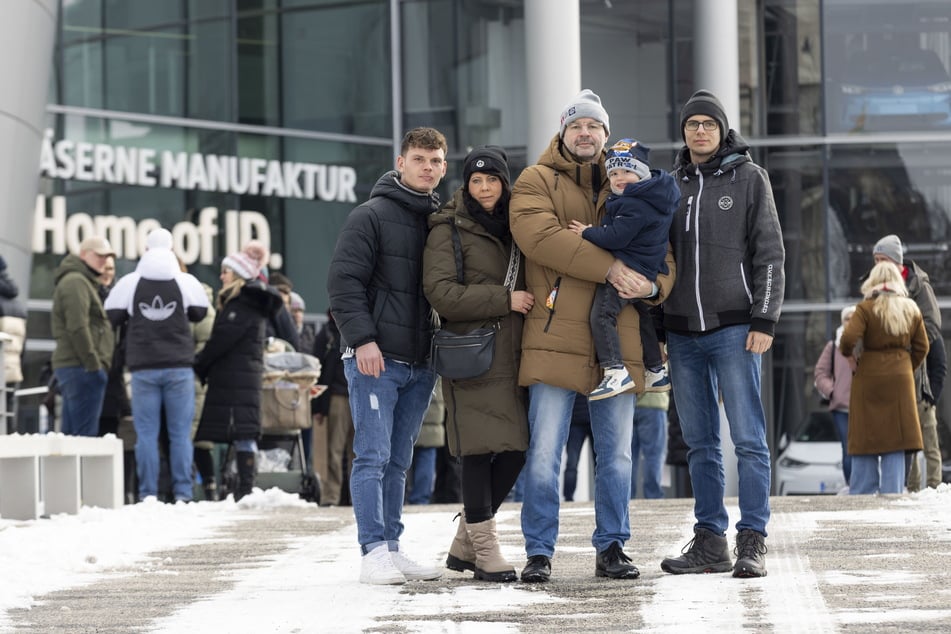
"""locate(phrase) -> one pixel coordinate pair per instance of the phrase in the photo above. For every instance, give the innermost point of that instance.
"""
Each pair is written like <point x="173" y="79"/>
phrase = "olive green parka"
<point x="487" y="414"/>
<point x="82" y="331"/>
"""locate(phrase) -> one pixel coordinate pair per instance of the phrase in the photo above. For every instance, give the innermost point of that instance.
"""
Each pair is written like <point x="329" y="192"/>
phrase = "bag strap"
<point x="511" y="275"/>
<point x="457" y="250"/>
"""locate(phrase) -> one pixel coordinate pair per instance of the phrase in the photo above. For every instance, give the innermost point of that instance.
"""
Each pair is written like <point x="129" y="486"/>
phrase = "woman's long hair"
<point x="892" y="305"/>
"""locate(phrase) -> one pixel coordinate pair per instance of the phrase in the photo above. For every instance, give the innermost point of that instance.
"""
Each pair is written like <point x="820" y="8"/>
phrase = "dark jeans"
<point x="607" y="305"/>
<point x="422" y="475"/>
<point x="82" y="394"/>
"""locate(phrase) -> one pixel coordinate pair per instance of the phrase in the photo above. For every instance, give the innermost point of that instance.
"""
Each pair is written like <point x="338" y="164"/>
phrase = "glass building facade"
<point x="226" y="119"/>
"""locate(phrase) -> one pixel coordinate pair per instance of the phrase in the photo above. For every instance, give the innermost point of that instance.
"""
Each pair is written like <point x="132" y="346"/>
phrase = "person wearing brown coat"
<point x="563" y="270"/>
<point x="487" y="416"/>
<point x="883" y="414"/>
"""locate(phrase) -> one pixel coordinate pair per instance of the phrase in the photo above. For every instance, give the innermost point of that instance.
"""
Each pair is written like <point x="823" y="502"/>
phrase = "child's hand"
<point x="578" y="227"/>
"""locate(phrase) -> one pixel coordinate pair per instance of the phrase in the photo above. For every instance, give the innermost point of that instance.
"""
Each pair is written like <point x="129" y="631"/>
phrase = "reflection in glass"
<point x="888" y="66"/>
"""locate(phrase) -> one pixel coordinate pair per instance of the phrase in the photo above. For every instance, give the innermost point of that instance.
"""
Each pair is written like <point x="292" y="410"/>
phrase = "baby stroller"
<point x="290" y="382"/>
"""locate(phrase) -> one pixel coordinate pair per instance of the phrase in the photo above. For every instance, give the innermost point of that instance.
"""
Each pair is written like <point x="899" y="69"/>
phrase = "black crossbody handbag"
<point x="470" y="355"/>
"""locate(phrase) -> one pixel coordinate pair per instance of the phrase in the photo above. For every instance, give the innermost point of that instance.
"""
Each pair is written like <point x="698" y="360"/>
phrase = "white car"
<point x="810" y="463"/>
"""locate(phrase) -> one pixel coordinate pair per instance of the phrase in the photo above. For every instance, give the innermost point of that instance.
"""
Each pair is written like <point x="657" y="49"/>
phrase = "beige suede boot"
<point x="461" y="555"/>
<point x="490" y="565"/>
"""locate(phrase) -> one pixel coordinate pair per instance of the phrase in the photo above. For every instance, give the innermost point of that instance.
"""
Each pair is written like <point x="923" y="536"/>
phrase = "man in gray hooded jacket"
<point x="720" y="319"/>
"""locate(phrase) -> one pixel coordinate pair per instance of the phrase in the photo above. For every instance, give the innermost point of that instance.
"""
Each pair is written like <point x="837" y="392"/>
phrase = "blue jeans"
<point x="424" y="475"/>
<point x="576" y="438"/>
<point x="549" y="414"/>
<point x="865" y="475"/>
<point x="649" y="440"/>
<point x="841" y="420"/>
<point x="82" y="393"/>
<point x="171" y="390"/>
<point x="701" y="366"/>
<point x="387" y="416"/>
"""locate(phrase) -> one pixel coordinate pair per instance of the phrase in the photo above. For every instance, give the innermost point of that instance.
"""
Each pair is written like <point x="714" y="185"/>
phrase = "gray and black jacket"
<point x="727" y="243"/>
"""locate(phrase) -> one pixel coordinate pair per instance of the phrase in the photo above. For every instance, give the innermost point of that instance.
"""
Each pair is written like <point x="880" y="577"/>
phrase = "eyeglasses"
<point x="594" y="126"/>
<point x="709" y="125"/>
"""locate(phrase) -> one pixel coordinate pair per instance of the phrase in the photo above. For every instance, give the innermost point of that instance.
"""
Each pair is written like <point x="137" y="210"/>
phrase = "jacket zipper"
<point x="550" y="302"/>
<point x="696" y="249"/>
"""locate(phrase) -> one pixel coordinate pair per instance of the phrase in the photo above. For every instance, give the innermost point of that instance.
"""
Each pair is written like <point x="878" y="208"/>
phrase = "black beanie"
<point x="488" y="159"/>
<point x="704" y="102"/>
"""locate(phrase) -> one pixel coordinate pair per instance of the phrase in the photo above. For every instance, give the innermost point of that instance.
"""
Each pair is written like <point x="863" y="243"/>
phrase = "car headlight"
<point x="852" y="89"/>
<point x="942" y="87"/>
<point x="789" y="463"/>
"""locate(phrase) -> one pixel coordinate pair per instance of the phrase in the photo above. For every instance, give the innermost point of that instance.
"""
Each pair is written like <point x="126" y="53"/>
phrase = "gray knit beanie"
<point x="585" y="105"/>
<point x="890" y="247"/>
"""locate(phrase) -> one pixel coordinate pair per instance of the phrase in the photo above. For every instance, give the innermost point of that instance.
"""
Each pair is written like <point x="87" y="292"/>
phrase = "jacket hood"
<point x="390" y="186"/>
<point x="258" y="294"/>
<point x="660" y="191"/>
<point x="557" y="157"/>
<point x="158" y="264"/>
<point x="734" y="150"/>
<point x="455" y="211"/>
<point x="73" y="264"/>
<point x="587" y="175"/>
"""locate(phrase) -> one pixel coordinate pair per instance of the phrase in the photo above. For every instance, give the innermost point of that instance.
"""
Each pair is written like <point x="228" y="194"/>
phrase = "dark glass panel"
<point x="335" y="69"/>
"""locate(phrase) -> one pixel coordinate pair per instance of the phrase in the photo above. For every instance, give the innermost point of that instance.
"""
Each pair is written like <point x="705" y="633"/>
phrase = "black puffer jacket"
<point x="232" y="363"/>
<point x="374" y="281"/>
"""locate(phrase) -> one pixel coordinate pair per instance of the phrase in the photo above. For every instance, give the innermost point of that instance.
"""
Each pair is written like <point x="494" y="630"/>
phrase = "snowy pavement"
<point x="276" y="564"/>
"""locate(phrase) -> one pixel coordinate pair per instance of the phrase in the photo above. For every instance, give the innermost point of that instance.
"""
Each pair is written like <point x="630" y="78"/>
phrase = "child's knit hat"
<point x="630" y="155"/>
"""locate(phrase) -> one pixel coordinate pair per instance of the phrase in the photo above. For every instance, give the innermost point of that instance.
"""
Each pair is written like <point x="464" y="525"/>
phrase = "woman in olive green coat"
<point x="487" y="420"/>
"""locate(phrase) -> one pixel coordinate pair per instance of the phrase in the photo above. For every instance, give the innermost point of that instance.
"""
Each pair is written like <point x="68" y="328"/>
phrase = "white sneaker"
<point x="377" y="567"/>
<point x="657" y="381"/>
<point x="616" y="381"/>
<point x="412" y="570"/>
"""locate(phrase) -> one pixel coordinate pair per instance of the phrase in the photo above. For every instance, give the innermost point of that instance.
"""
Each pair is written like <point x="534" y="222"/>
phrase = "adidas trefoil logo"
<point x="157" y="311"/>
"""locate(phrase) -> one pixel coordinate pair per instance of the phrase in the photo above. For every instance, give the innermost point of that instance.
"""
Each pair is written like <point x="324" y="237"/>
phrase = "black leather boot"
<point x="246" y="470"/>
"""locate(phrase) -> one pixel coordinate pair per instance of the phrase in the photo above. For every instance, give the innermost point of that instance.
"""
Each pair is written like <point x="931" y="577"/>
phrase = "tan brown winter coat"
<point x="883" y="413"/>
<point x="557" y="348"/>
<point x="487" y="414"/>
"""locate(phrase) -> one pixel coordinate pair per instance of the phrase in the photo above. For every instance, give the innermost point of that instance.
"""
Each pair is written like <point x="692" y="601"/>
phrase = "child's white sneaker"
<point x="658" y="381"/>
<point x="616" y="381"/>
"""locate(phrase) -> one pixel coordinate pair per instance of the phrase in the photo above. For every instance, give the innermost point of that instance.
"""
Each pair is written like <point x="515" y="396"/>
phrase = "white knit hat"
<point x="248" y="262"/>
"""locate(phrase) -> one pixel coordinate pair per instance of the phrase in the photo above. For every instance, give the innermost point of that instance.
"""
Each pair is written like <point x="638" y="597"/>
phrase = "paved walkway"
<point x="836" y="564"/>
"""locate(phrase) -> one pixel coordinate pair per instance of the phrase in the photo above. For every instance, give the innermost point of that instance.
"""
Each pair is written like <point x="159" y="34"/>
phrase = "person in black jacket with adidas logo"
<point x="159" y="300"/>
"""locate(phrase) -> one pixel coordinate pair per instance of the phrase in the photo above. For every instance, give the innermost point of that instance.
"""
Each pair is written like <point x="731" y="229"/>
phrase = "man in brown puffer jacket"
<point x="558" y="358"/>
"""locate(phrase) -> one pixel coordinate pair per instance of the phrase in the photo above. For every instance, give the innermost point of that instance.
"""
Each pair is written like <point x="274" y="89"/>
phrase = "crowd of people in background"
<point x="630" y="306"/>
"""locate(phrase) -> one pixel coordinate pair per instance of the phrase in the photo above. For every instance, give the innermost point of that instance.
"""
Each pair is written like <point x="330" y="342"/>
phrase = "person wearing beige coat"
<point x="883" y="414"/>
<point x="562" y="271"/>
